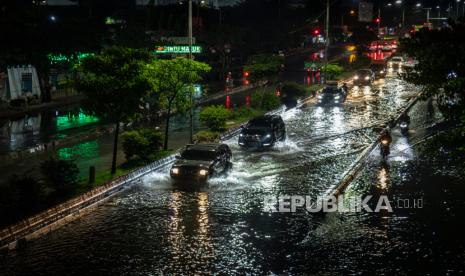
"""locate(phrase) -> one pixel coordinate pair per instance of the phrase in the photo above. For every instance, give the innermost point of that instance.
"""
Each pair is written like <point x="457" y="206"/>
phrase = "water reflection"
<point x="189" y="229"/>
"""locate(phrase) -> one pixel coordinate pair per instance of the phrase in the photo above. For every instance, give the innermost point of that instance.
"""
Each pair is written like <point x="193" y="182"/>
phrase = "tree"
<point x="440" y="68"/>
<point x="332" y="71"/>
<point x="113" y="83"/>
<point x="172" y="80"/>
<point x="215" y="117"/>
<point x="62" y="174"/>
<point x="264" y="67"/>
<point x="362" y="36"/>
<point x="141" y="143"/>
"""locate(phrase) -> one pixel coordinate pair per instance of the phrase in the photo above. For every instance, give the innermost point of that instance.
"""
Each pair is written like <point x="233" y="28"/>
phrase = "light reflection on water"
<point x="156" y="227"/>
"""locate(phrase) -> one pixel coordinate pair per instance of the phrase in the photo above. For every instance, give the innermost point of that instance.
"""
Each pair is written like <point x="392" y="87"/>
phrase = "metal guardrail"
<point x="52" y="215"/>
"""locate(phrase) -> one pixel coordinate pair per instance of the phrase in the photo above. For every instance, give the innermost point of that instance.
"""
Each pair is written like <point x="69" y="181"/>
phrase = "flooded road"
<point x="223" y="228"/>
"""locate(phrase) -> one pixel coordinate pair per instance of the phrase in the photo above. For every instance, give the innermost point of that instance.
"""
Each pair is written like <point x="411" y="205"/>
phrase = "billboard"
<point x="365" y="11"/>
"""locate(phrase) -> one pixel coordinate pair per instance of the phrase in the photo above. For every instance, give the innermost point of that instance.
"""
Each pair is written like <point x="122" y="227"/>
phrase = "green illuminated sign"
<point x="76" y="57"/>
<point x="172" y="49"/>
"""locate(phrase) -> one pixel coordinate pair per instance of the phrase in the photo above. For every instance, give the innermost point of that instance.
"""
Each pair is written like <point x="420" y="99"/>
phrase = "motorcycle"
<point x="384" y="148"/>
<point x="404" y="127"/>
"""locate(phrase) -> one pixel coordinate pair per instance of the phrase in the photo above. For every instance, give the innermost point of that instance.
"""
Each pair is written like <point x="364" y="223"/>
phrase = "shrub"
<point x="206" y="137"/>
<point x="214" y="117"/>
<point x="141" y="143"/>
<point x="28" y="192"/>
<point x="333" y="71"/>
<point x="62" y="174"/>
<point x="265" y="100"/>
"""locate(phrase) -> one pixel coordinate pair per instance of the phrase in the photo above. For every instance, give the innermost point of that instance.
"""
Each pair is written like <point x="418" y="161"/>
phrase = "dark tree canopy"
<point x="440" y="68"/>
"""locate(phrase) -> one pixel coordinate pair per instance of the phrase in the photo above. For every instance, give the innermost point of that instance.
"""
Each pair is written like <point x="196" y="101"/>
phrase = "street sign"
<point x="365" y="11"/>
<point x="175" y="49"/>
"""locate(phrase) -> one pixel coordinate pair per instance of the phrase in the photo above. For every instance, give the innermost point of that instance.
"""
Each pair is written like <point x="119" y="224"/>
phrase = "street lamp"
<point x="399" y="2"/>
<point x="418" y="5"/>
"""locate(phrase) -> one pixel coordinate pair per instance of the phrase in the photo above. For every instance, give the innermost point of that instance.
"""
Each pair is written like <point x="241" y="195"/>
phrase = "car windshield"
<point x="204" y="155"/>
<point x="259" y="124"/>
<point x="363" y="72"/>
<point x="377" y="66"/>
<point x="330" y="90"/>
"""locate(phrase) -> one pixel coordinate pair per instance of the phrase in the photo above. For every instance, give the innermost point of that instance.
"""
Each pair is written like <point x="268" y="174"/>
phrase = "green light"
<point x="109" y="21"/>
<point x="72" y="121"/>
<point x="172" y="49"/>
<point x="73" y="58"/>
<point x="84" y="150"/>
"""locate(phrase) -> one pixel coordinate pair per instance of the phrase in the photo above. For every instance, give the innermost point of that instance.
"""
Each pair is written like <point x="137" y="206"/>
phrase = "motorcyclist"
<point x="345" y="87"/>
<point x="385" y="136"/>
<point x="385" y="139"/>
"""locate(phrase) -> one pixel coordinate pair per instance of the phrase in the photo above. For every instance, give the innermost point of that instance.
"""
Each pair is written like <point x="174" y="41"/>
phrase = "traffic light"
<point x="316" y="31"/>
<point x="378" y="20"/>
<point x="245" y="81"/>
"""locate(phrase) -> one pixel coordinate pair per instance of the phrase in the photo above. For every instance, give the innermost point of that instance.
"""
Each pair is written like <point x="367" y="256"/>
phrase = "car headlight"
<point x="241" y="135"/>
<point x="356" y="78"/>
<point x="203" y="172"/>
<point x="367" y="78"/>
<point x="381" y="72"/>
<point x="175" y="170"/>
<point x="337" y="97"/>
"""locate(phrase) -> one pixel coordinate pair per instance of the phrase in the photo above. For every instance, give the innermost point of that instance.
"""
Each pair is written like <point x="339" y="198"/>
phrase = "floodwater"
<point x="224" y="227"/>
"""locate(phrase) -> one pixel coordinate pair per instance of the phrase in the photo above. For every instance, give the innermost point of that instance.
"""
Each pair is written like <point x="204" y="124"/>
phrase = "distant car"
<point x="262" y="132"/>
<point x="364" y="77"/>
<point x="200" y="161"/>
<point x="396" y="62"/>
<point x="332" y="95"/>
<point x="379" y="70"/>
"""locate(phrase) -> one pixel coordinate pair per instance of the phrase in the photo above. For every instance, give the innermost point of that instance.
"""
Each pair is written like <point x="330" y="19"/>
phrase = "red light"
<point x="247" y="100"/>
<point x="228" y="101"/>
<point x="316" y="31"/>
<point x="377" y="20"/>
<point x="246" y="74"/>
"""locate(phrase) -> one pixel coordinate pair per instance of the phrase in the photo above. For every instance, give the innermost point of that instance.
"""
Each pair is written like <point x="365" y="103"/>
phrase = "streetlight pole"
<point x="191" y="115"/>
<point x="327" y="40"/>
<point x="379" y="16"/>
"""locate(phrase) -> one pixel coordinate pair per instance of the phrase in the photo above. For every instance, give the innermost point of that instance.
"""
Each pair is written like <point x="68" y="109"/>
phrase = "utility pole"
<point x="457" y="10"/>
<point x="327" y="39"/>
<point x="379" y="16"/>
<point x="403" y="15"/>
<point x="191" y="112"/>
<point x="427" y="15"/>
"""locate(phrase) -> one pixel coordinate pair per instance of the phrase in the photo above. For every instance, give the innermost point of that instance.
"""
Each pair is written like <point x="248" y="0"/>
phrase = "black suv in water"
<point x="379" y="70"/>
<point x="263" y="131"/>
<point x="364" y="77"/>
<point x="200" y="161"/>
<point x="332" y="95"/>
